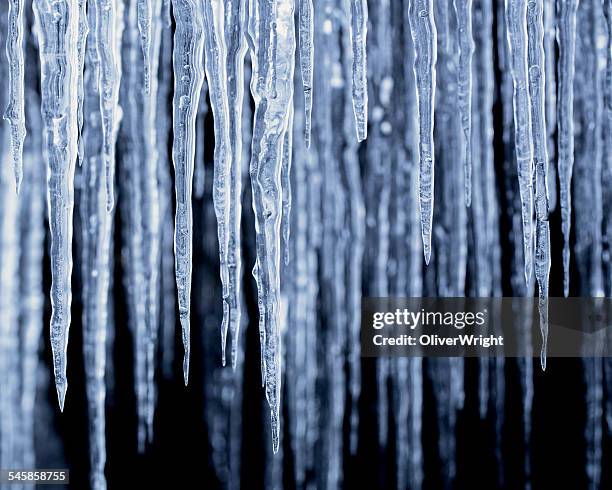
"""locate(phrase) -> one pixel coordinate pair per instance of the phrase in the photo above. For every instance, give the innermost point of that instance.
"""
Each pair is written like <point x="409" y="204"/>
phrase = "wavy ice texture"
<point x="424" y="35"/>
<point x="188" y="80"/>
<point x="15" y="111"/>
<point x="272" y="43"/>
<point x="58" y="25"/>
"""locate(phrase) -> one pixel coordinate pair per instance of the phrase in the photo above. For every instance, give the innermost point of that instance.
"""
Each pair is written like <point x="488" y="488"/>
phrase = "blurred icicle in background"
<point x="249" y="170"/>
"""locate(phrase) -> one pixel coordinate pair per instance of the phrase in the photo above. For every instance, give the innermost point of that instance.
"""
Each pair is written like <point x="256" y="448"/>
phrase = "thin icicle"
<point x="216" y="76"/>
<point x="145" y="21"/>
<point x="516" y="25"/>
<point x="306" y="39"/>
<point x="96" y="236"/>
<point x="272" y="38"/>
<point x="566" y="38"/>
<point x="286" y="185"/>
<point x="359" y="29"/>
<point x="423" y="31"/>
<point x="151" y="219"/>
<point x="188" y="79"/>
<point x="58" y="34"/>
<point x="15" y="111"/>
<point x="463" y="10"/>
<point x="83" y="33"/>
<point x="235" y="40"/>
<point x="539" y="135"/>
<point x="110" y="77"/>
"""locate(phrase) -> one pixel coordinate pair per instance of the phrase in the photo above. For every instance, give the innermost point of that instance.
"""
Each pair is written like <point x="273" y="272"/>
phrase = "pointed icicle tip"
<point x="186" y="369"/>
<point x="61" y="394"/>
<point x="543" y="358"/>
<point x="427" y="254"/>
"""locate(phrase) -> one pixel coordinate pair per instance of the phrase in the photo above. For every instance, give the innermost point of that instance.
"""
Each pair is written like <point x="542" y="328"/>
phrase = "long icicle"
<point x="188" y="80"/>
<point x="539" y="135"/>
<point x="15" y="111"/>
<point x="96" y="236"/>
<point x="235" y="40"/>
<point x="216" y="77"/>
<point x="151" y="220"/>
<point x="59" y="83"/>
<point x="516" y="25"/>
<point x="463" y="10"/>
<point x="424" y="36"/>
<point x="359" y="29"/>
<point x="272" y="41"/>
<point x="566" y="38"/>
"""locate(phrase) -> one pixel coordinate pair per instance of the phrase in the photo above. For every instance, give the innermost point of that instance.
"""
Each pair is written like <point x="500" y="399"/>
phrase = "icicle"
<point x="96" y="236"/>
<point x="350" y="163"/>
<point x="82" y="40"/>
<point x="463" y="10"/>
<point x="216" y="75"/>
<point x="134" y="178"/>
<point x="58" y="41"/>
<point x="168" y="304"/>
<point x="272" y="88"/>
<point x="32" y="301"/>
<point x="306" y="39"/>
<point x="188" y="79"/>
<point x="593" y="433"/>
<point x="110" y="77"/>
<point x="145" y="22"/>
<point x="566" y="38"/>
<point x="15" y="111"/>
<point x="550" y="55"/>
<point x="516" y="25"/>
<point x="235" y="41"/>
<point x="10" y="375"/>
<point x="286" y="185"/>
<point x="359" y="29"/>
<point x="151" y="223"/>
<point x="535" y="32"/>
<point x="423" y="31"/>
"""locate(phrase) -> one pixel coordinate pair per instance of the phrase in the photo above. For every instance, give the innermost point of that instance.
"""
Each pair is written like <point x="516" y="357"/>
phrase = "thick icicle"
<point x="516" y="25"/>
<point x="235" y="41"/>
<point x="359" y="29"/>
<point x="188" y="79"/>
<point x="58" y="24"/>
<point x="539" y="135"/>
<point x="15" y="111"/>
<point x="96" y="226"/>
<point x="566" y="38"/>
<point x="463" y="10"/>
<point x="306" y="40"/>
<point x="145" y="21"/>
<point x="423" y="31"/>
<point x="271" y="31"/>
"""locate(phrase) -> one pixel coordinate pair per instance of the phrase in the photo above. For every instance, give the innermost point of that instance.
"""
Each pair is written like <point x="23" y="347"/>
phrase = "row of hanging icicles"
<point x="101" y="78"/>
